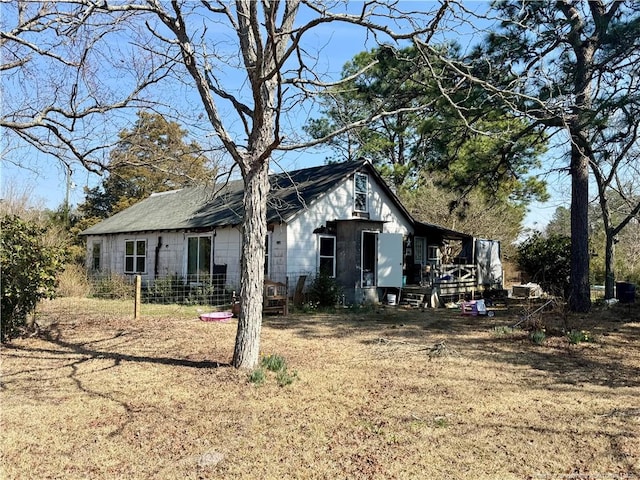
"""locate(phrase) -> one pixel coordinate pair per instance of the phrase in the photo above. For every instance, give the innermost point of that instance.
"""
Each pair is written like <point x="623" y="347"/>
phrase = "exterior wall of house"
<point x="170" y="254"/>
<point x="166" y="252"/>
<point x="337" y="204"/>
<point x="278" y="253"/>
<point x="293" y="247"/>
<point x="227" y="250"/>
<point x="165" y="248"/>
<point x="302" y="254"/>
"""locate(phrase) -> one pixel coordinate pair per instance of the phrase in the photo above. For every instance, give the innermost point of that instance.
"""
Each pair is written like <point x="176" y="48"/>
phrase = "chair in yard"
<point x="275" y="298"/>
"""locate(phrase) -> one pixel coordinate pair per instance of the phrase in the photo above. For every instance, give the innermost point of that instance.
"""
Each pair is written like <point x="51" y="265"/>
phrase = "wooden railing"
<point x="456" y="280"/>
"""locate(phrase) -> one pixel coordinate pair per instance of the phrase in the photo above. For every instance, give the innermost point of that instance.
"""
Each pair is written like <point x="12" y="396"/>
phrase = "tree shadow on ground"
<point x="399" y="322"/>
<point x="68" y="358"/>
<point x="600" y="363"/>
<point x="477" y="338"/>
<point x="88" y="351"/>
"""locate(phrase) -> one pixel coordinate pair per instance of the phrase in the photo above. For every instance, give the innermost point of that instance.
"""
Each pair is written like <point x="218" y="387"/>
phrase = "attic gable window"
<point x="361" y="192"/>
<point x="135" y="256"/>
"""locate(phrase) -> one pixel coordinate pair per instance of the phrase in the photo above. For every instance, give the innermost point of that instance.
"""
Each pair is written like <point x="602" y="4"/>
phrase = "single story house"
<point x="341" y="219"/>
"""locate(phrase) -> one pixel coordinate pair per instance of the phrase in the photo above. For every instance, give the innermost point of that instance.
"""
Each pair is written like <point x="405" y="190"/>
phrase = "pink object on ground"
<point x="216" y="316"/>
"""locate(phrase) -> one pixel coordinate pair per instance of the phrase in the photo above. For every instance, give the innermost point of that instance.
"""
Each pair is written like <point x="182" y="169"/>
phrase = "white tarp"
<point x="489" y="263"/>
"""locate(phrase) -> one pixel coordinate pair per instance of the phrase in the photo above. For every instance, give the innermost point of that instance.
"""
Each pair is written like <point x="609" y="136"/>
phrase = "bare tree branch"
<point x="112" y="57"/>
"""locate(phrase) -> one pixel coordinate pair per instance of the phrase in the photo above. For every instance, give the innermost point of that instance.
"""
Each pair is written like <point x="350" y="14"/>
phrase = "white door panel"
<point x="390" y="260"/>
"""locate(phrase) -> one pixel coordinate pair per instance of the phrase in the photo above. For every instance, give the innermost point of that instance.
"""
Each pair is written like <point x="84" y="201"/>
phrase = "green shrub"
<point x="29" y="272"/>
<point x="538" y="337"/>
<point x="309" y="307"/>
<point x="257" y="377"/>
<point x="278" y="366"/>
<point x="441" y="422"/>
<point x="284" y="378"/>
<point x="325" y="291"/>
<point x="577" y="336"/>
<point x="203" y="294"/>
<point x="168" y="289"/>
<point x="274" y="363"/>
<point x="546" y="260"/>
<point x="113" y="287"/>
<point x="502" y="330"/>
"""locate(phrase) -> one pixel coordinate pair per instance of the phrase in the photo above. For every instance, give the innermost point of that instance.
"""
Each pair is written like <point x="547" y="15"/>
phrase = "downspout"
<point x="213" y="250"/>
<point x="157" y="258"/>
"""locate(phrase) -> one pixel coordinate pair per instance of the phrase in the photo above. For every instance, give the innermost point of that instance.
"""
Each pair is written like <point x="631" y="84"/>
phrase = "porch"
<point x="443" y="265"/>
<point x="440" y="284"/>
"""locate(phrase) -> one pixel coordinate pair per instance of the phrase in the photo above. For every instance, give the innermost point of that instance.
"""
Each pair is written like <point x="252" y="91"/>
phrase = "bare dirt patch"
<point x="387" y="393"/>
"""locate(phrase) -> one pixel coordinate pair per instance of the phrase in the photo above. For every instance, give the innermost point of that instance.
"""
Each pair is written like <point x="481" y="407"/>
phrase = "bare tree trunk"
<point x="611" y="232"/>
<point x="609" y="275"/>
<point x="580" y="294"/>
<point x="254" y="230"/>
<point x="173" y="43"/>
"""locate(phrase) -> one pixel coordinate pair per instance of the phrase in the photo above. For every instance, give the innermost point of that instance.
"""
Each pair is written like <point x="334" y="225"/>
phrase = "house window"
<point x="327" y="255"/>
<point x="361" y="192"/>
<point x="199" y="258"/>
<point x="433" y="253"/>
<point x="96" y="254"/>
<point x="267" y="255"/>
<point x="135" y="256"/>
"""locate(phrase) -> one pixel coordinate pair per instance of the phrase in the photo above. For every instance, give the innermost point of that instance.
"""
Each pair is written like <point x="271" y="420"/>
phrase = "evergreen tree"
<point x="154" y="156"/>
<point x="572" y="68"/>
<point x="464" y="167"/>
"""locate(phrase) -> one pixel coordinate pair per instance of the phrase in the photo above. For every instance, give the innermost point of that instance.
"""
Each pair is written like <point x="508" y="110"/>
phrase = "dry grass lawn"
<point x="98" y="396"/>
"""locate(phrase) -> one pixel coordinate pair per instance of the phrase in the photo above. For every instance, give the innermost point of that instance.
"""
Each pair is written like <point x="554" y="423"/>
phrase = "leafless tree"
<point x="572" y="67"/>
<point x="616" y="171"/>
<point x="245" y="68"/>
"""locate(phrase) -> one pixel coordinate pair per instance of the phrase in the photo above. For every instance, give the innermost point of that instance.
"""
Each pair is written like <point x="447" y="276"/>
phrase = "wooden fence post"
<point x="138" y="300"/>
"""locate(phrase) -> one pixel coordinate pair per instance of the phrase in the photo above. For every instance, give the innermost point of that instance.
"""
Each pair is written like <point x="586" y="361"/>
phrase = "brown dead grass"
<point x="99" y="396"/>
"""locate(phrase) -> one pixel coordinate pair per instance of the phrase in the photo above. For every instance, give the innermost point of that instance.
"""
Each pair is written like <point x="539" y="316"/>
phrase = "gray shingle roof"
<point x="221" y="206"/>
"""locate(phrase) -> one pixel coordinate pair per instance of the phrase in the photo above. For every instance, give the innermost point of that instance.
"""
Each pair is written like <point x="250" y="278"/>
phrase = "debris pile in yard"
<point x="440" y="349"/>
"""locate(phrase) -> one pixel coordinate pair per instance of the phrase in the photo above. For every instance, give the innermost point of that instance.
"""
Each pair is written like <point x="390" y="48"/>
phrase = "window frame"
<point x="333" y="256"/>
<point x="358" y="193"/>
<point x="369" y="256"/>
<point x="419" y="250"/>
<point x="96" y="245"/>
<point x="195" y="277"/>
<point x="135" y="256"/>
<point x="267" y="255"/>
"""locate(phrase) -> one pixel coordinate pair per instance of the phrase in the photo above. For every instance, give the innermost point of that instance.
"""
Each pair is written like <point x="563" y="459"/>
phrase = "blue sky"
<point x="43" y="179"/>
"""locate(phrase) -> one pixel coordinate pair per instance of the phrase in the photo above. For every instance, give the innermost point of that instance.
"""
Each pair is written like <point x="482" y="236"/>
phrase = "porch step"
<point x="413" y="299"/>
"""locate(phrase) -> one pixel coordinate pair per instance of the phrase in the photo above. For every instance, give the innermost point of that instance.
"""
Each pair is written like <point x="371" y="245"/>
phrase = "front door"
<point x="369" y="259"/>
<point x="381" y="259"/>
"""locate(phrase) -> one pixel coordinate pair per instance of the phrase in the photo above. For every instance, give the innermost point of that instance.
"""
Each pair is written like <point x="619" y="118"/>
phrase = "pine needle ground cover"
<point x="380" y="394"/>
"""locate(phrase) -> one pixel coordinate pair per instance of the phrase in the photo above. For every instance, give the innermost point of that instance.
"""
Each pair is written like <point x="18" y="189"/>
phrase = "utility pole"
<point x="69" y="185"/>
